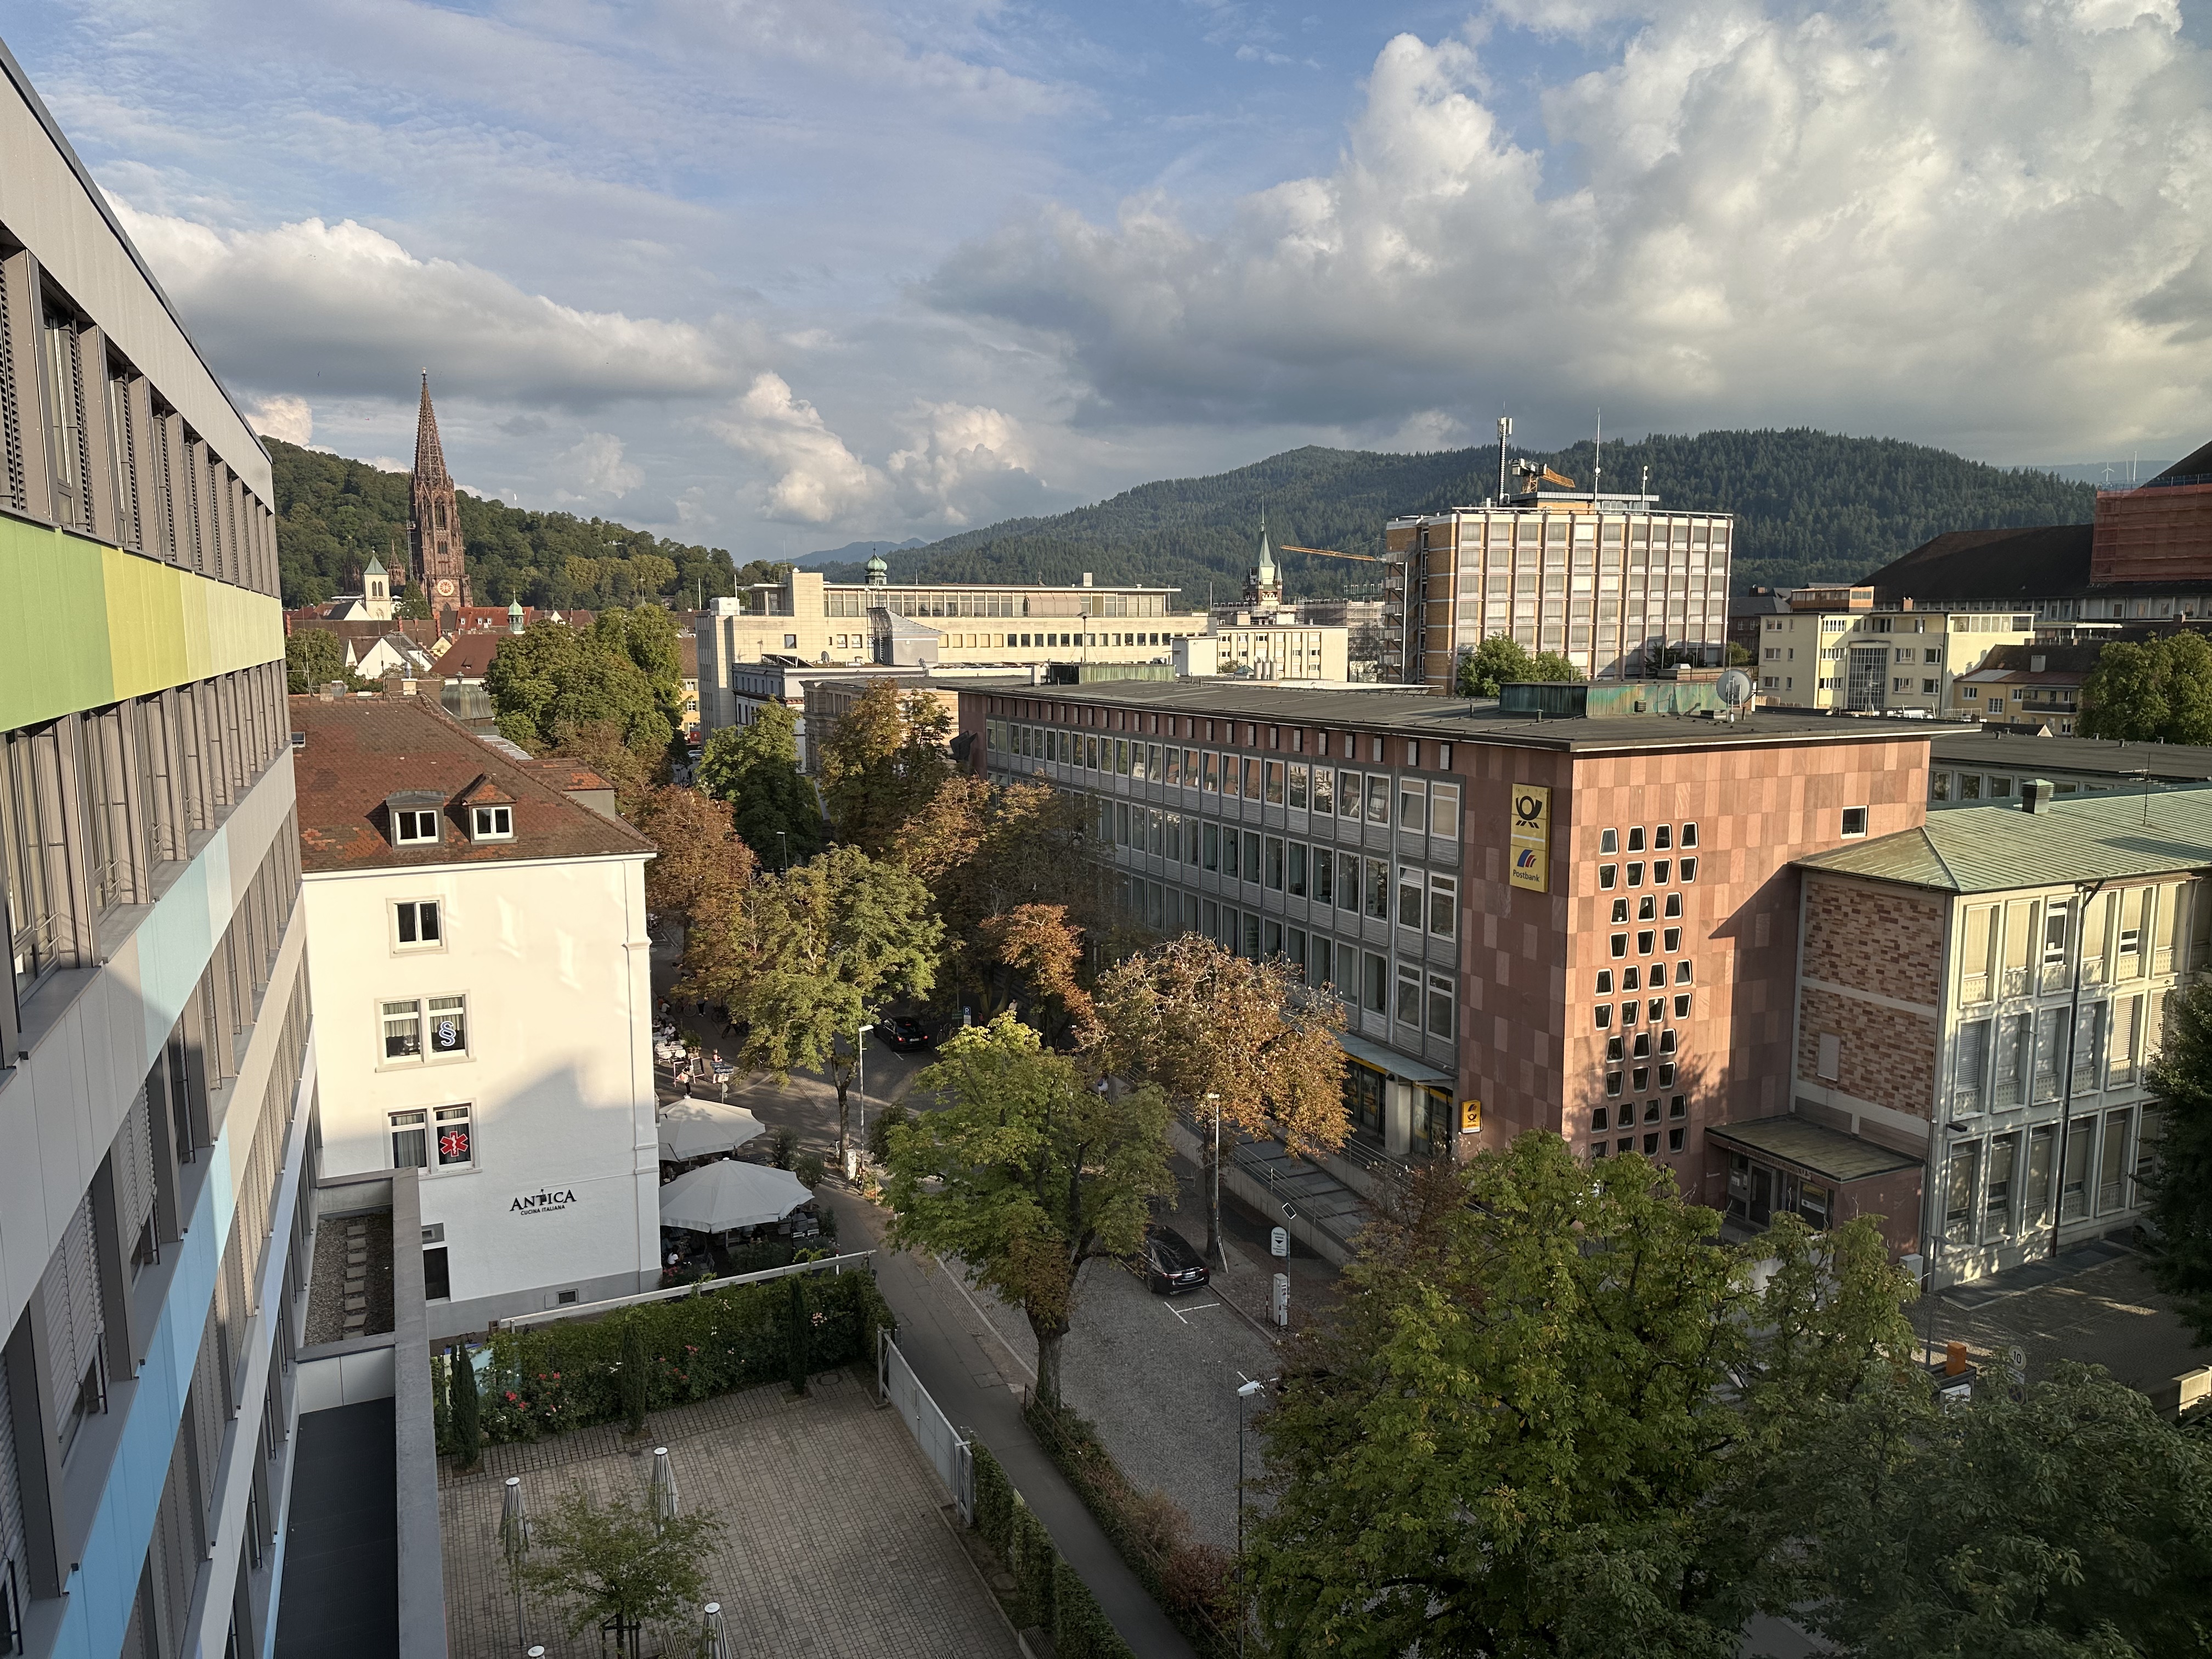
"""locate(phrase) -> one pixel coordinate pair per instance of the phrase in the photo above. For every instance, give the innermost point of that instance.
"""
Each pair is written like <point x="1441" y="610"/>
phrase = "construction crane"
<point x="1331" y="553"/>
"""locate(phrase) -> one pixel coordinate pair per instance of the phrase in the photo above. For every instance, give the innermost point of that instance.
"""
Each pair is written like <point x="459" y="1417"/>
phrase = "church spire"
<point x="429" y="454"/>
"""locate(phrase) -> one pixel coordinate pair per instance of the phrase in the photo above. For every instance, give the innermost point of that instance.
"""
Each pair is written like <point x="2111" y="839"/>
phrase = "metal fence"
<point x="940" y="1442"/>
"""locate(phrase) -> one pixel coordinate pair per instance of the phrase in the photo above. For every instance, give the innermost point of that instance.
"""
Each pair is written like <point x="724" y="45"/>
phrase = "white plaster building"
<point x="482" y="975"/>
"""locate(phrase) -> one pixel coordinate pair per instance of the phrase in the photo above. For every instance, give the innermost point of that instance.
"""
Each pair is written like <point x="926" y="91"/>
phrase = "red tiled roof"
<point x="359" y="751"/>
<point x="469" y="657"/>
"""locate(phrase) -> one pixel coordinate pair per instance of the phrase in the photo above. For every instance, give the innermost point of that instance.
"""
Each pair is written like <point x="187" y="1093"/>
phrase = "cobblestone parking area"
<point x="834" y="1544"/>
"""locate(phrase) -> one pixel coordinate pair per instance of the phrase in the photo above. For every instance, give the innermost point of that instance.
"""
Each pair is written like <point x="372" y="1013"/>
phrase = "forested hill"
<point x="1809" y="506"/>
<point x="333" y="513"/>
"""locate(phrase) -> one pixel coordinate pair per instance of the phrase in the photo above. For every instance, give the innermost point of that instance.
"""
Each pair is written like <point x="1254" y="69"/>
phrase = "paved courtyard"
<point x="834" y="1543"/>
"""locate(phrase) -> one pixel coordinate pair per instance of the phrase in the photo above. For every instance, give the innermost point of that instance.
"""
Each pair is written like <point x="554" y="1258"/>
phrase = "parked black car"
<point x="1170" y="1264"/>
<point x="903" y="1035"/>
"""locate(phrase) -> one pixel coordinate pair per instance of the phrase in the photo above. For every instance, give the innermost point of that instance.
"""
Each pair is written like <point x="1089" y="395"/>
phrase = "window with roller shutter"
<point x="14" y="1572"/>
<point x="132" y="1160"/>
<point x="76" y="1382"/>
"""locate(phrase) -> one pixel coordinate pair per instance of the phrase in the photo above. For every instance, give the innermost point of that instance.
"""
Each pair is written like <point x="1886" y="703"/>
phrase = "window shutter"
<point x="11" y="1502"/>
<point x="71" y="1293"/>
<point x="133" y="1166"/>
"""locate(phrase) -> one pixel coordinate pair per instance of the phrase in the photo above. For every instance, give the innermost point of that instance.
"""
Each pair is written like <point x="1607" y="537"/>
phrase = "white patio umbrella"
<point x="691" y="1128"/>
<point x="660" y="1488"/>
<point x="718" y="1196"/>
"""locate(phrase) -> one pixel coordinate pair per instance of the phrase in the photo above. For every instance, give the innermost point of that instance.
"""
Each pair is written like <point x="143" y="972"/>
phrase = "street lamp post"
<point x="783" y="852"/>
<point x="1244" y="1392"/>
<point x="1220" y="1244"/>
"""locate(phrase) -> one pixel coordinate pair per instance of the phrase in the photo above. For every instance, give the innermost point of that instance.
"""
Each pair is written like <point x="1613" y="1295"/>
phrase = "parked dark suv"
<point x="1170" y="1264"/>
<point x="903" y="1035"/>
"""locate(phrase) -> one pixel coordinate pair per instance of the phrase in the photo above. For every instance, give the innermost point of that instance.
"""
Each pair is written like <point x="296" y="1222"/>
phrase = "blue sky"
<point x="778" y="273"/>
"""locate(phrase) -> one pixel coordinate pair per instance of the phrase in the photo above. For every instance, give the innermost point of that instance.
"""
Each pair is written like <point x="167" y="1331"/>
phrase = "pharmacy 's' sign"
<point x="1528" y="850"/>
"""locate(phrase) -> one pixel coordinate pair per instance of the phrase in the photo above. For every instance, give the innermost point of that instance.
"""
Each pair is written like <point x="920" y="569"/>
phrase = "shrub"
<point x="783" y="1146"/>
<point x="994" y="1500"/>
<point x="1080" y="1628"/>
<point x="441" y="1414"/>
<point x="635" y="1361"/>
<point x="808" y="1169"/>
<point x="797" y="1334"/>
<point x="570" y="1375"/>
<point x="879" y="1131"/>
<point x="1031" y="1560"/>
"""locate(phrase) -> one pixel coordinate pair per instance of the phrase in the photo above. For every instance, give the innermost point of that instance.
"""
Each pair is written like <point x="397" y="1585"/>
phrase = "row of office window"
<point x="1376" y="888"/>
<point x="1412" y="995"/>
<point x="1621" y="1121"/>
<point x="89" y="443"/>
<point x="98" y="808"/>
<point x="2029" y="1059"/>
<point x="1999" y="1188"/>
<point x="2028" y="947"/>
<point x="1000" y="734"/>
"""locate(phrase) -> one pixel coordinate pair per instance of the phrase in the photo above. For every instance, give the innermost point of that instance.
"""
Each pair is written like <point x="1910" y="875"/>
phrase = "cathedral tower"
<point x="433" y="527"/>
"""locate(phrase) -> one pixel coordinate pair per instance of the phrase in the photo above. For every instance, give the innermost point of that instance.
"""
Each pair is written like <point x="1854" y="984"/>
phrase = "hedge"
<point x="1047" y="1591"/>
<point x="568" y="1375"/>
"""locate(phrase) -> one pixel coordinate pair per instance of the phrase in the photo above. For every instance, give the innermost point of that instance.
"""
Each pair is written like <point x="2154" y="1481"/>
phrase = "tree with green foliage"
<point x="647" y="635"/>
<point x="2158" y="691"/>
<point x="2180" y="1195"/>
<point x="313" y="657"/>
<point x="1501" y="660"/>
<point x="804" y="961"/>
<point x="414" y="603"/>
<point x="1025" y="1173"/>
<point x="549" y="680"/>
<point x="465" y="1408"/>
<point x="884" y="761"/>
<point x="2073" y="1521"/>
<point x="755" y="767"/>
<point x="620" y="1564"/>
<point x="1537" y="1421"/>
<point x="1226" y="1035"/>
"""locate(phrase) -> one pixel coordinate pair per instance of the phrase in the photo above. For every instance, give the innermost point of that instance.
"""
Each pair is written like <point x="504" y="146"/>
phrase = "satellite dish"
<point x="1734" y="688"/>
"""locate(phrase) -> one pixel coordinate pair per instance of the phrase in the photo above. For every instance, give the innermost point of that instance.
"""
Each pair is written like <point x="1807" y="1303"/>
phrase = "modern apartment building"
<point x="806" y="621"/>
<point x="1982" y="992"/>
<point x="480" y="959"/>
<point x="1616" y="584"/>
<point x="157" y="1070"/>
<point x="1836" y="648"/>
<point x="1585" y="922"/>
<point x="1266" y="647"/>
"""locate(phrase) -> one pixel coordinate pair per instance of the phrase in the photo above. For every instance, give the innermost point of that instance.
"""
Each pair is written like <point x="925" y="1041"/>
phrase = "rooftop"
<point x="2017" y="564"/>
<point x="1414" y="713"/>
<point x="358" y="752"/>
<point x="1991" y="850"/>
<point x="2168" y="763"/>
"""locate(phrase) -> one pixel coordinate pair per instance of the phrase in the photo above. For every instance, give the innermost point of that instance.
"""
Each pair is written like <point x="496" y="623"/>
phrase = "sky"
<point x="776" y="274"/>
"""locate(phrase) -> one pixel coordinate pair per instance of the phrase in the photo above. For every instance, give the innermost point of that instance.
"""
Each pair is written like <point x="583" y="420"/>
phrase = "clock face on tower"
<point x="445" y="588"/>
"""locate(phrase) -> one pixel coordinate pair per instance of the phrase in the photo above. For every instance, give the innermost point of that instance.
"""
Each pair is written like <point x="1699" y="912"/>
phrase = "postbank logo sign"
<point x="1528" y="862"/>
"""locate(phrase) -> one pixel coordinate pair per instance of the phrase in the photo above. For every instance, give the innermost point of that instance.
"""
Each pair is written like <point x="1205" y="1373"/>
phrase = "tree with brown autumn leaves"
<point x="1219" y="1033"/>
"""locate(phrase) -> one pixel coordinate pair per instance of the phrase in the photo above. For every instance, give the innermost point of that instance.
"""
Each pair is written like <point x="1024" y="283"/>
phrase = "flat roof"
<point x="1813" y="1147"/>
<point x="2172" y="762"/>
<point x="1416" y="713"/>
<point x="1992" y="849"/>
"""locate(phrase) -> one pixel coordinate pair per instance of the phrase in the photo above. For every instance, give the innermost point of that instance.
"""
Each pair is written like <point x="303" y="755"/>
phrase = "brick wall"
<point x="1889" y="940"/>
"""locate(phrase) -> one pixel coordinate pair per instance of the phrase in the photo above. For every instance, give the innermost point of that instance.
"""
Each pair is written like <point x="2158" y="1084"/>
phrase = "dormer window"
<point x="415" y="826"/>
<point x="491" y="823"/>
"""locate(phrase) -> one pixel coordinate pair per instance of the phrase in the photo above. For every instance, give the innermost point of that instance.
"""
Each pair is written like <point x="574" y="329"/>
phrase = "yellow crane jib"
<point x="1560" y="479"/>
<point x="1331" y="553"/>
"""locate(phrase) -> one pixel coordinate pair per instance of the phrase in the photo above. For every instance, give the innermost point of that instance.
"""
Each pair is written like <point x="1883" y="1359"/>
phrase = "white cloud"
<point x="347" y="309"/>
<point x="1971" y="222"/>
<point x="817" y="479"/>
<point x="963" y="465"/>
<point x="280" y="415"/>
<point x="595" y="467"/>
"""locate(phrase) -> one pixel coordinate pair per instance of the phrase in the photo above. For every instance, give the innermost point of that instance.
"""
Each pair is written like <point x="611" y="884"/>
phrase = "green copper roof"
<point x="1987" y="849"/>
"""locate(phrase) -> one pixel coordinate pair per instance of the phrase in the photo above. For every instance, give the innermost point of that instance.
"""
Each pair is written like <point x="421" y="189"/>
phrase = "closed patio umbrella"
<point x="660" y="1489"/>
<point x="724" y="1194"/>
<point x="693" y="1128"/>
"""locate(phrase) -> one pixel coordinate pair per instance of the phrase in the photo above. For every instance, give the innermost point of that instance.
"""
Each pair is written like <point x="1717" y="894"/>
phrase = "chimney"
<point x="1087" y="579"/>
<point x="2035" y="665"/>
<point x="2034" y="794"/>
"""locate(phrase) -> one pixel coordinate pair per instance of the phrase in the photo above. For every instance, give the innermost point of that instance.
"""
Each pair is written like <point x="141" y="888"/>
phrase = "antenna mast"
<point x="1504" y="431"/>
<point x="1597" y="461"/>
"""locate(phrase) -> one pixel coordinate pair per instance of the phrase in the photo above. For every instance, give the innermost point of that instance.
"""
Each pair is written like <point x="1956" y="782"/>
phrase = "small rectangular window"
<point x="1619" y="945"/>
<point x="1606" y="873"/>
<point x="1609" y="840"/>
<point x="1689" y="836"/>
<point x="1605" y="982"/>
<point x="1674" y="1138"/>
<point x="1613" y="1083"/>
<point x="1681" y="1007"/>
<point x="1855" y="821"/>
<point x="410" y="1140"/>
<point x="1659" y="867"/>
<point x="1643" y="942"/>
<point x="1689" y="870"/>
<point x="414" y="827"/>
<point x="1636" y="839"/>
<point x="403" y="1030"/>
<point x="1444" y="809"/>
<point x="456" y="1143"/>
<point x="1443" y="905"/>
<point x="492" y="823"/>
<point x="1598" y="1118"/>
<point x="449" y="1025"/>
<point x="1674" y="904"/>
<point x="1662" y="838"/>
<point x="1604" y="1015"/>
<point x="416" y="925"/>
<point x="1673" y="939"/>
<point x="1378" y="799"/>
<point x="1635" y="875"/>
<point x="437" y="1276"/>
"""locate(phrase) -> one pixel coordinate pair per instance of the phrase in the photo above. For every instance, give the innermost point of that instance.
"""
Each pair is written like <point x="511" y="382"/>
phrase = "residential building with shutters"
<point x="1574" y="911"/>
<point x="479" y="958"/>
<point x="1838" y="647"/>
<point x="157" y="1067"/>
<point x="1983" y="993"/>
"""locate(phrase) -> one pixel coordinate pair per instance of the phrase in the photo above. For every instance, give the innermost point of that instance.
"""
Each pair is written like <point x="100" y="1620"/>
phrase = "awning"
<point x="1812" y="1148"/>
<point x="691" y="1128"/>
<point x="1403" y="1066"/>
<point x="723" y="1195"/>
